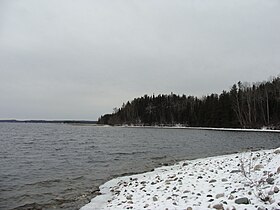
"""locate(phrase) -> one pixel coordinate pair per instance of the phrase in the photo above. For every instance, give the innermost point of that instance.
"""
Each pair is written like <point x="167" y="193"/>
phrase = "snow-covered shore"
<point x="248" y="180"/>
<point x="205" y="128"/>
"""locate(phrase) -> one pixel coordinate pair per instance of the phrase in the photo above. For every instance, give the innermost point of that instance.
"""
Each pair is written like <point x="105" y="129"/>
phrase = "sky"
<point x="68" y="59"/>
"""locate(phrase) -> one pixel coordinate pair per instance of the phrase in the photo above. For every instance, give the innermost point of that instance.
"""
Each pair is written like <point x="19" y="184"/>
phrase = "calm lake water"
<point x="60" y="166"/>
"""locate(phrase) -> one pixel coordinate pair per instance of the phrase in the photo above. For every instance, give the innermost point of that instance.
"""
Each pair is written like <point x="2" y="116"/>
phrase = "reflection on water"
<point x="48" y="166"/>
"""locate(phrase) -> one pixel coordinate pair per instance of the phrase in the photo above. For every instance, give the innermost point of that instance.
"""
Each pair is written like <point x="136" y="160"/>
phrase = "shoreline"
<point x="202" y="128"/>
<point x="214" y="182"/>
<point x="192" y="128"/>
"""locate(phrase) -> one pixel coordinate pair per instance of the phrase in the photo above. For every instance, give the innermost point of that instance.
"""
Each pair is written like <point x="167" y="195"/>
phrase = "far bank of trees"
<point x="244" y="105"/>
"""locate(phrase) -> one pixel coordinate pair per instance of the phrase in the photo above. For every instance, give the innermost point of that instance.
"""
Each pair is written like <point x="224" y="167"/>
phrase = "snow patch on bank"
<point x="245" y="180"/>
<point x="263" y="129"/>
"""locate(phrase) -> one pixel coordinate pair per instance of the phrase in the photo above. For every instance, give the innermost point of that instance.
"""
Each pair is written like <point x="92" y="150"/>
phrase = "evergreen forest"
<point x="243" y="106"/>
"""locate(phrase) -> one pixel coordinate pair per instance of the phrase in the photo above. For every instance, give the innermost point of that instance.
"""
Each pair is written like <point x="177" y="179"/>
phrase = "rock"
<point x="129" y="197"/>
<point x="220" y="195"/>
<point x="146" y="206"/>
<point x="270" y="180"/>
<point x="211" y="200"/>
<point x="212" y="180"/>
<point x="218" y="206"/>
<point x="258" y="167"/>
<point x="235" y="171"/>
<point x="242" y="201"/>
<point x="189" y="208"/>
<point x="209" y="196"/>
<point x="277" y="151"/>
<point x="231" y="197"/>
<point x="278" y="170"/>
<point x="224" y="180"/>
<point x="185" y="164"/>
<point x="276" y="189"/>
<point x="155" y="198"/>
<point x="199" y="177"/>
<point x="270" y="193"/>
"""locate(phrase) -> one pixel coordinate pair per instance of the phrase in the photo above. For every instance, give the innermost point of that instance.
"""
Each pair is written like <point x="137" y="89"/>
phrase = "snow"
<point x="209" y="183"/>
<point x="263" y="129"/>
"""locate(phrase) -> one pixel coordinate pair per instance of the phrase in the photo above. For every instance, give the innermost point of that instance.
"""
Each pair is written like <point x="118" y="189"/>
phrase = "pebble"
<point x="258" y="167"/>
<point x="231" y="197"/>
<point x="220" y="195"/>
<point x="218" y="206"/>
<point x="270" y="180"/>
<point x="242" y="201"/>
<point x="277" y="151"/>
<point x="276" y="189"/>
<point x="235" y="171"/>
<point x="270" y="193"/>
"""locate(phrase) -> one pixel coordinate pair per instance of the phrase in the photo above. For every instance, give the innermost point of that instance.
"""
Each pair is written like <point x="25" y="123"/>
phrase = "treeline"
<point x="245" y="105"/>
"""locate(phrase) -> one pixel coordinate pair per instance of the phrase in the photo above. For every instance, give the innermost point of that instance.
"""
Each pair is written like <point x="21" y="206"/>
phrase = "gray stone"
<point x="155" y="198"/>
<point x="129" y="197"/>
<point x="270" y="180"/>
<point x="212" y="180"/>
<point x="270" y="193"/>
<point x="220" y="195"/>
<point x="189" y="208"/>
<point x="276" y="189"/>
<point x="224" y="180"/>
<point x="277" y="151"/>
<point x="235" y="171"/>
<point x="218" y="206"/>
<point x="278" y="170"/>
<point x="185" y="164"/>
<point x="242" y="201"/>
<point x="258" y="167"/>
<point x="231" y="197"/>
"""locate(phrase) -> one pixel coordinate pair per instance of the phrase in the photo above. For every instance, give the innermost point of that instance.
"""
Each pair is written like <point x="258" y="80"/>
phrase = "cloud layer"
<point x="78" y="59"/>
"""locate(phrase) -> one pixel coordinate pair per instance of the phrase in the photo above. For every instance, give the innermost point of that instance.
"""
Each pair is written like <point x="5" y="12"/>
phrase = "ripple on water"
<point x="48" y="166"/>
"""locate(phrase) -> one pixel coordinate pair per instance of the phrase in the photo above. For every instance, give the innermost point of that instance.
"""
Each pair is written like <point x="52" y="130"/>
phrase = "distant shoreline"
<point x="51" y="121"/>
<point x="90" y="123"/>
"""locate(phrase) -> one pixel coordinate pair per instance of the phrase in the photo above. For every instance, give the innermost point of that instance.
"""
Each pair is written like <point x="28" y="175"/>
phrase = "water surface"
<point x="60" y="166"/>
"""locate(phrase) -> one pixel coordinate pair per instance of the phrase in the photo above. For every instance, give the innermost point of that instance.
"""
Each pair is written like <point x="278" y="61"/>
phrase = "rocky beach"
<point x="247" y="180"/>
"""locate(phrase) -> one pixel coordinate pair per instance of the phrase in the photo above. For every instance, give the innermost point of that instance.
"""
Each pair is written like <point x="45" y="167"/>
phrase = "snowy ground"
<point x="248" y="180"/>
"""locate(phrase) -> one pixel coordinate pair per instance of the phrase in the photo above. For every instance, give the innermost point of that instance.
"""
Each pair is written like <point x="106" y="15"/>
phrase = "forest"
<point x="245" y="105"/>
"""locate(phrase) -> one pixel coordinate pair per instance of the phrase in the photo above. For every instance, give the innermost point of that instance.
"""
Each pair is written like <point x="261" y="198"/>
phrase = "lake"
<point x="60" y="166"/>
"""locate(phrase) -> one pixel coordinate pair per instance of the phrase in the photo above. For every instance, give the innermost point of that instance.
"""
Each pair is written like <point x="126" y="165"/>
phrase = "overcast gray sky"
<point x="69" y="59"/>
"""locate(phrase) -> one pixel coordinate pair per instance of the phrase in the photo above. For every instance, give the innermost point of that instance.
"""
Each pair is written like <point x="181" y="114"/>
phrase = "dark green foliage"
<point x="247" y="106"/>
